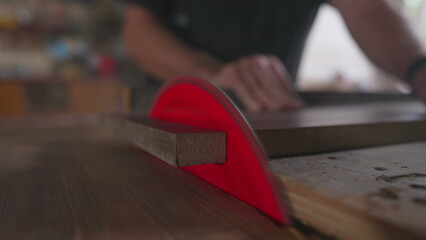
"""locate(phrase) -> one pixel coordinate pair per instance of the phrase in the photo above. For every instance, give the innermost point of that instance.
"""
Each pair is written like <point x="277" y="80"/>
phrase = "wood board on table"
<point x="306" y="131"/>
<point x="177" y="144"/>
<point x="372" y="193"/>
<point x="332" y="128"/>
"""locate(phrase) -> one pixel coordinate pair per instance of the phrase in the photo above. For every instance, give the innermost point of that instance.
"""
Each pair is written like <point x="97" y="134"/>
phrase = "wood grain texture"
<point x="324" y="129"/>
<point x="78" y="183"/>
<point x="177" y="144"/>
<point x="373" y="193"/>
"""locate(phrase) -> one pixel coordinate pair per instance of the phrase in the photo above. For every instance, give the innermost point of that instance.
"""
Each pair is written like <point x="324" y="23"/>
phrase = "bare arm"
<point x="382" y="33"/>
<point x="261" y="82"/>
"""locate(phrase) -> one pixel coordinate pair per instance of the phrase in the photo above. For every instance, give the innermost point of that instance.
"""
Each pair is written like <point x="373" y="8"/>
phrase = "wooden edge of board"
<point x="333" y="218"/>
<point x="177" y="144"/>
<point x="311" y="140"/>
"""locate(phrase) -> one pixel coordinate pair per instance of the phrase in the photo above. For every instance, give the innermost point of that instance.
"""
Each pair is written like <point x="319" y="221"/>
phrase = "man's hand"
<point x="419" y="84"/>
<point x="260" y="81"/>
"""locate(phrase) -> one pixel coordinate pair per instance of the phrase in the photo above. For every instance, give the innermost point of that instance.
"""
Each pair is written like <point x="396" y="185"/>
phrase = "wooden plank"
<point x="308" y="131"/>
<point x="324" y="129"/>
<point x="333" y="98"/>
<point x="310" y="140"/>
<point x="79" y="183"/>
<point x="177" y="144"/>
<point x="374" y="193"/>
<point x="315" y="98"/>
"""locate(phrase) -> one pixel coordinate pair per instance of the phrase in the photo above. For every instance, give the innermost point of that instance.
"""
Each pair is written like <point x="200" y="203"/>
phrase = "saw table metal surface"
<point x="59" y="181"/>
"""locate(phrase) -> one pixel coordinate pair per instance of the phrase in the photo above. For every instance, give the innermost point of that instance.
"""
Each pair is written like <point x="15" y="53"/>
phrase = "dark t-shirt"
<point x="230" y="29"/>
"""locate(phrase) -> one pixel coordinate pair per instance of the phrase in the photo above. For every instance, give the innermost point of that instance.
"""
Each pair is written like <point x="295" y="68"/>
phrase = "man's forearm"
<point x="260" y="81"/>
<point x="158" y="51"/>
<point x="382" y="33"/>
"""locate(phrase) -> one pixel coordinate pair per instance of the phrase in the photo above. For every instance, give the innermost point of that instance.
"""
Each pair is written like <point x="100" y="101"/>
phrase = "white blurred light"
<point x="413" y="3"/>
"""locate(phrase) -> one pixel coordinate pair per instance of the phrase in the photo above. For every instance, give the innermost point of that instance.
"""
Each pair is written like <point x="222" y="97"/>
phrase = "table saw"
<point x="199" y="168"/>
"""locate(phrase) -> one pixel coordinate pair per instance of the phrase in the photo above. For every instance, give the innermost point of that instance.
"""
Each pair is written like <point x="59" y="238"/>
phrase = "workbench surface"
<point x="77" y="182"/>
<point x="370" y="193"/>
<point x="65" y="178"/>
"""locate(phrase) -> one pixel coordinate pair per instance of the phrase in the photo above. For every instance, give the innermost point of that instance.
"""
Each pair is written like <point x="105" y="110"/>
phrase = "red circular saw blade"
<point x="245" y="174"/>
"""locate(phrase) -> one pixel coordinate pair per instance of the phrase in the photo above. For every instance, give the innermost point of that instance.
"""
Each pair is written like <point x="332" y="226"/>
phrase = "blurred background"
<point x="67" y="56"/>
